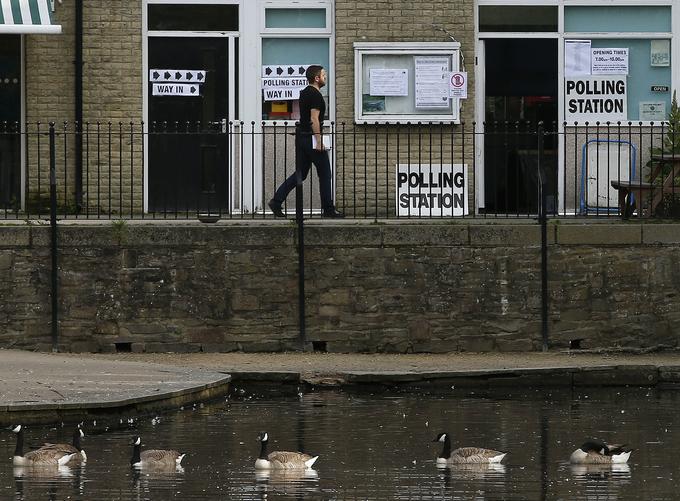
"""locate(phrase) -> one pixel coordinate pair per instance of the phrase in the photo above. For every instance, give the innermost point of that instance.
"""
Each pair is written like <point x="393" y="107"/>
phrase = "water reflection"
<point x="287" y="482"/>
<point x="376" y="446"/>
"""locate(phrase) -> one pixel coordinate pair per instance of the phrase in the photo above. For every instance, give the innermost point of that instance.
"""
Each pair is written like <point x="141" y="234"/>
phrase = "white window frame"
<point x="304" y="4"/>
<point x="561" y="35"/>
<point x="311" y="33"/>
<point x="361" y="49"/>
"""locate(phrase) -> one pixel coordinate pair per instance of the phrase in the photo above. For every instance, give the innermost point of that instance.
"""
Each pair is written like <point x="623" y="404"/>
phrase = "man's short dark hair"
<point x="313" y="71"/>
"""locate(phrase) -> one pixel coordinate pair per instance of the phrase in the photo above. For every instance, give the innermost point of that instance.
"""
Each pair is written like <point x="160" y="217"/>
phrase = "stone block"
<point x="424" y="234"/>
<point x="660" y="234"/>
<point x="15" y="236"/>
<point x="506" y="235"/>
<point x="599" y="234"/>
<point x="343" y="235"/>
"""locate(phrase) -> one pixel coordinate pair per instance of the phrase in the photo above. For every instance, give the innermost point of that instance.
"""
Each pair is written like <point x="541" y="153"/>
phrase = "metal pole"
<point x="301" y="247"/>
<point x="543" y="219"/>
<point x="53" y="231"/>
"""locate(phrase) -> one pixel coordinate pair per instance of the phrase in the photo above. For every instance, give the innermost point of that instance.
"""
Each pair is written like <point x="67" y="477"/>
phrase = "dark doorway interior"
<point x="521" y="91"/>
<point x="10" y="121"/>
<point x="188" y="151"/>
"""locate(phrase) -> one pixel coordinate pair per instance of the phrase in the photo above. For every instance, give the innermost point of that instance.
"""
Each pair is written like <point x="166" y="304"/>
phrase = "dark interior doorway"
<point x="521" y="91"/>
<point x="188" y="144"/>
<point x="10" y="121"/>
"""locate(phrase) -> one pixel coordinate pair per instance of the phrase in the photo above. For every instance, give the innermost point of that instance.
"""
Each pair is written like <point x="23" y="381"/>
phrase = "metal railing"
<point x="182" y="170"/>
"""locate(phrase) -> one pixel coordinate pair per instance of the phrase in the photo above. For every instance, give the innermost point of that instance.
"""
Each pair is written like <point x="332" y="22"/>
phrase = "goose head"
<point x="441" y="437"/>
<point x="16" y="428"/>
<point x="263" y="437"/>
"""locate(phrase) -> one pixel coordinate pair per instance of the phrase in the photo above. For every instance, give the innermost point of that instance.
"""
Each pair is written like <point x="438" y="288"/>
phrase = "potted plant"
<point x="662" y="158"/>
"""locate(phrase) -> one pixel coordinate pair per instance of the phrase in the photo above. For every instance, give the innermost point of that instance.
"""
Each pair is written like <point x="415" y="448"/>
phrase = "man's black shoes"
<point x="276" y="208"/>
<point x="332" y="214"/>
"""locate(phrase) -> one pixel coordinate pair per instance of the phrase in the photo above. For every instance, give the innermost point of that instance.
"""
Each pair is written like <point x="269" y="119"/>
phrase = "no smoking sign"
<point x="458" y="84"/>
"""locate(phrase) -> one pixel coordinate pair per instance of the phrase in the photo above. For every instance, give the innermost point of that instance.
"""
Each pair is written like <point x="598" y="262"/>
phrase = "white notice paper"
<point x="661" y="53"/>
<point x="388" y="82"/>
<point x="612" y="61"/>
<point x="432" y="81"/>
<point x="577" y="58"/>
<point x="325" y="139"/>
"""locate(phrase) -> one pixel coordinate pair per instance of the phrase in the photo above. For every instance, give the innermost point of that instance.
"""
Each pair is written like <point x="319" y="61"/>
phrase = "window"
<point x="181" y="17"/>
<point x="284" y="61"/>
<point x="295" y="35"/>
<point x="649" y="59"/>
<point x="518" y="18"/>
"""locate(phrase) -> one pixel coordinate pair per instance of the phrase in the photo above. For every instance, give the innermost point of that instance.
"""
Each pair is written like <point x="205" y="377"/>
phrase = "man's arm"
<point x="316" y="128"/>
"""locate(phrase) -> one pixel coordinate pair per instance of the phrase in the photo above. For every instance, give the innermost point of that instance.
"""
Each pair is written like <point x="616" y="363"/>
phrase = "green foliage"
<point x="120" y="230"/>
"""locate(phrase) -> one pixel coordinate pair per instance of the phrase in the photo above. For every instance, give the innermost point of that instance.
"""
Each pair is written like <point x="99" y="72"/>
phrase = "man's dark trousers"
<point x="305" y="155"/>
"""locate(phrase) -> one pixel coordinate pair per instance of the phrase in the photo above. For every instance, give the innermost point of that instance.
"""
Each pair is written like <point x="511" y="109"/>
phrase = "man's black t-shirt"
<point x="310" y="98"/>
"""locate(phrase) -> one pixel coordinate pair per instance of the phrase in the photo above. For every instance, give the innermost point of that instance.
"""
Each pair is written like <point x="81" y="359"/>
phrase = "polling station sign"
<point x="432" y="190"/>
<point x="592" y="99"/>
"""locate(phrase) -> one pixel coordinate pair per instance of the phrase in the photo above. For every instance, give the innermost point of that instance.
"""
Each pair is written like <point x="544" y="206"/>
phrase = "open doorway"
<point x="521" y="90"/>
<point x="10" y="121"/>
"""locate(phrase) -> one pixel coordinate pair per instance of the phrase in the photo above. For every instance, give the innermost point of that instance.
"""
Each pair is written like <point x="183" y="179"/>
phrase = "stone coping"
<point x="346" y="233"/>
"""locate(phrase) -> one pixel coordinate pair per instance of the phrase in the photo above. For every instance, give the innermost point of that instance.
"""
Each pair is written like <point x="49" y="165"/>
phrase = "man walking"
<point x="309" y="147"/>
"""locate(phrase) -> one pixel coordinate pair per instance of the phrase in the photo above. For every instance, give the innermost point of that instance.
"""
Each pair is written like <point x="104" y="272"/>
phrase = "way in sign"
<point x="175" y="90"/>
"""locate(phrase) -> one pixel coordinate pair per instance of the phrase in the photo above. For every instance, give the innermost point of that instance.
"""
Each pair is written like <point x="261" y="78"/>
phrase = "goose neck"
<point x="263" y="450"/>
<point x="446" y="451"/>
<point x="76" y="440"/>
<point x="19" y="449"/>
<point x="136" y="451"/>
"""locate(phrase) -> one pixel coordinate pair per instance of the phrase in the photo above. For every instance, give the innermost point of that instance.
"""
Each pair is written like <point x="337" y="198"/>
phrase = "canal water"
<point x="374" y="444"/>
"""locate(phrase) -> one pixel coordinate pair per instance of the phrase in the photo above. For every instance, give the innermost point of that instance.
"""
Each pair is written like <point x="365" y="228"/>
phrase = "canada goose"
<point x="154" y="457"/>
<point x="281" y="460"/>
<point x="466" y="455"/>
<point x="39" y="457"/>
<point x="598" y="452"/>
<point x="75" y="449"/>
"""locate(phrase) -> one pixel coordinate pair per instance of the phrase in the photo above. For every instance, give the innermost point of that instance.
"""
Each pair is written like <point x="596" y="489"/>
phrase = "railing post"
<point x="53" y="232"/>
<point x="543" y="220"/>
<point x="300" y="221"/>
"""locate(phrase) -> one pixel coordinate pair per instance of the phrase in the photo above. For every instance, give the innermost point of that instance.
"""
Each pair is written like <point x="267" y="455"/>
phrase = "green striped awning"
<point x="27" y="16"/>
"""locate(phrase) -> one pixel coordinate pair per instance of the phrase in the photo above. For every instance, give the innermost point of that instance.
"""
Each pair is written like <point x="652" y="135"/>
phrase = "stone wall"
<point x="370" y="287"/>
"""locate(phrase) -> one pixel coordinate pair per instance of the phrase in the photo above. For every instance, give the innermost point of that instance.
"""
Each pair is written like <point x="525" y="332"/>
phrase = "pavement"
<point x="47" y="387"/>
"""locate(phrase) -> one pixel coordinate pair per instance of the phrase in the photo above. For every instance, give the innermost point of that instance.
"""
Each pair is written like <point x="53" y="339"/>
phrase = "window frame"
<point x="311" y="33"/>
<point x="303" y="4"/>
<point x="361" y="49"/>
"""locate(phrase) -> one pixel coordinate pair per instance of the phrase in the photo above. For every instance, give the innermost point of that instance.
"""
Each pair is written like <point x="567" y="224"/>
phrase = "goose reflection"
<point x="289" y="482"/>
<point x="478" y="471"/>
<point x="587" y="472"/>
<point x="42" y="472"/>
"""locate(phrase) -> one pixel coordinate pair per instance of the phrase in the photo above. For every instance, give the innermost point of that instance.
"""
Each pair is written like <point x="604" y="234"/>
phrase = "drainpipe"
<point x="79" y="102"/>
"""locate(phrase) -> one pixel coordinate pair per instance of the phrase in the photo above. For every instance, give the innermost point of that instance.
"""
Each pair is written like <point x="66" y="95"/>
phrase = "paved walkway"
<point x="41" y="387"/>
<point x="38" y="387"/>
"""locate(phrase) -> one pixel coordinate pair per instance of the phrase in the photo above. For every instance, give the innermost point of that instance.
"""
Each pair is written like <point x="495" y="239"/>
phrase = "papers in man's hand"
<point x="326" y="141"/>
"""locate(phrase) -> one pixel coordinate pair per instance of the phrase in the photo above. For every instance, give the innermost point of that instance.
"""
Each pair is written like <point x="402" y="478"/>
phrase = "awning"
<point x="27" y="16"/>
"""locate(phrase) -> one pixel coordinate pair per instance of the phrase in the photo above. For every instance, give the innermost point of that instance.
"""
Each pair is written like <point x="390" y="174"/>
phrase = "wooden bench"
<point x="652" y="193"/>
<point x="646" y="196"/>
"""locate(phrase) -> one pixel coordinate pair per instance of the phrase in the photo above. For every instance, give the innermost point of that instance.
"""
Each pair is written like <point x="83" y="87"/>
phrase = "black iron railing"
<point x="230" y="170"/>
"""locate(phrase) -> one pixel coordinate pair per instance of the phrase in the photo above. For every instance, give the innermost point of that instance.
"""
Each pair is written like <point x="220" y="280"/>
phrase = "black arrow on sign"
<point x="156" y="75"/>
<point x="193" y="89"/>
<point x="279" y="70"/>
<point x="199" y="76"/>
<point x="167" y="75"/>
<point x="268" y="71"/>
<point x="190" y="75"/>
<point x="301" y="70"/>
<point x="178" y="75"/>
<point x="291" y="70"/>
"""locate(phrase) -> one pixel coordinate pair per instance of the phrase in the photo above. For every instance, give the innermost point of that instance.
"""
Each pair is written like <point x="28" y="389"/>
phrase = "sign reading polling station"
<point x="592" y="99"/>
<point x="432" y="190"/>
